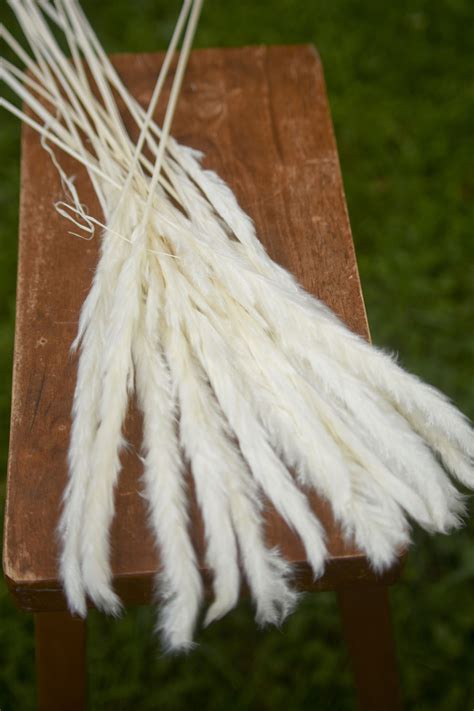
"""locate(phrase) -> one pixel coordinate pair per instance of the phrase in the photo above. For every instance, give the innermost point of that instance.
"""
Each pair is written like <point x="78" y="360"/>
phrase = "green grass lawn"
<point x="400" y="85"/>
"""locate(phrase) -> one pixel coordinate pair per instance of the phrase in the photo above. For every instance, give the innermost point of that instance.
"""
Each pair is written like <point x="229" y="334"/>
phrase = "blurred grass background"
<point x="401" y="89"/>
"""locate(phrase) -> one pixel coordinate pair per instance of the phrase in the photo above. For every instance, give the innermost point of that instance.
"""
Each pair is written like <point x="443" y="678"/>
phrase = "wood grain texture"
<point x="261" y="117"/>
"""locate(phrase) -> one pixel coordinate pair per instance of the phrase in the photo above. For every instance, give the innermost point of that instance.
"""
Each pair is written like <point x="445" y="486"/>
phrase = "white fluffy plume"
<point x="239" y="373"/>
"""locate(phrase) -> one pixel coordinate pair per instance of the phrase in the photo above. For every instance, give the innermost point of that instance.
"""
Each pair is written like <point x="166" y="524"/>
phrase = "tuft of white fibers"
<point x="243" y="378"/>
<point x="204" y="444"/>
<point x="85" y="421"/>
<point x="115" y="372"/>
<point x="227" y="495"/>
<point x="179" y="584"/>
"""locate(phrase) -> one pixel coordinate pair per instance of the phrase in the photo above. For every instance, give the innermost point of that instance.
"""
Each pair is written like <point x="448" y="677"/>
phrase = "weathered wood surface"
<point x="261" y="117"/>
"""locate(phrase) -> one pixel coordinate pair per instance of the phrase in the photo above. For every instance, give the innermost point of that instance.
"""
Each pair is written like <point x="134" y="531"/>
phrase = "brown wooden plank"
<point x="261" y="116"/>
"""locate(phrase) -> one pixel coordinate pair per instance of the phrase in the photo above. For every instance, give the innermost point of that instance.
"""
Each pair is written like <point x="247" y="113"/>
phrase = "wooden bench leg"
<point x="368" y="631"/>
<point x="60" y="661"/>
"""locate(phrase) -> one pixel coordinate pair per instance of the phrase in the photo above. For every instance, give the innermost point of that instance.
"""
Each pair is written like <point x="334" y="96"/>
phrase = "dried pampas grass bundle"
<point x="187" y="311"/>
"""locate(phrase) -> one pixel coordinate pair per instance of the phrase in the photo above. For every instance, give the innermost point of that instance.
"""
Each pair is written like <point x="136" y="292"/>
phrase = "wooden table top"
<point x="261" y="116"/>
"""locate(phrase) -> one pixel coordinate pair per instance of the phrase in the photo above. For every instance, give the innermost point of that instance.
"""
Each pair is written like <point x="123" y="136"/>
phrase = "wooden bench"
<point x="261" y="117"/>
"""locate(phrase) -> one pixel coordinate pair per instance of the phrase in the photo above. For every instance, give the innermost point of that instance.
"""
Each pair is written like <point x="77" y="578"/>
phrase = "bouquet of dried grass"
<point x="233" y="365"/>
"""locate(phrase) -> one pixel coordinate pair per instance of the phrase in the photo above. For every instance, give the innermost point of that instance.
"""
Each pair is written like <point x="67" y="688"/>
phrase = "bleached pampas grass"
<point x="237" y="370"/>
